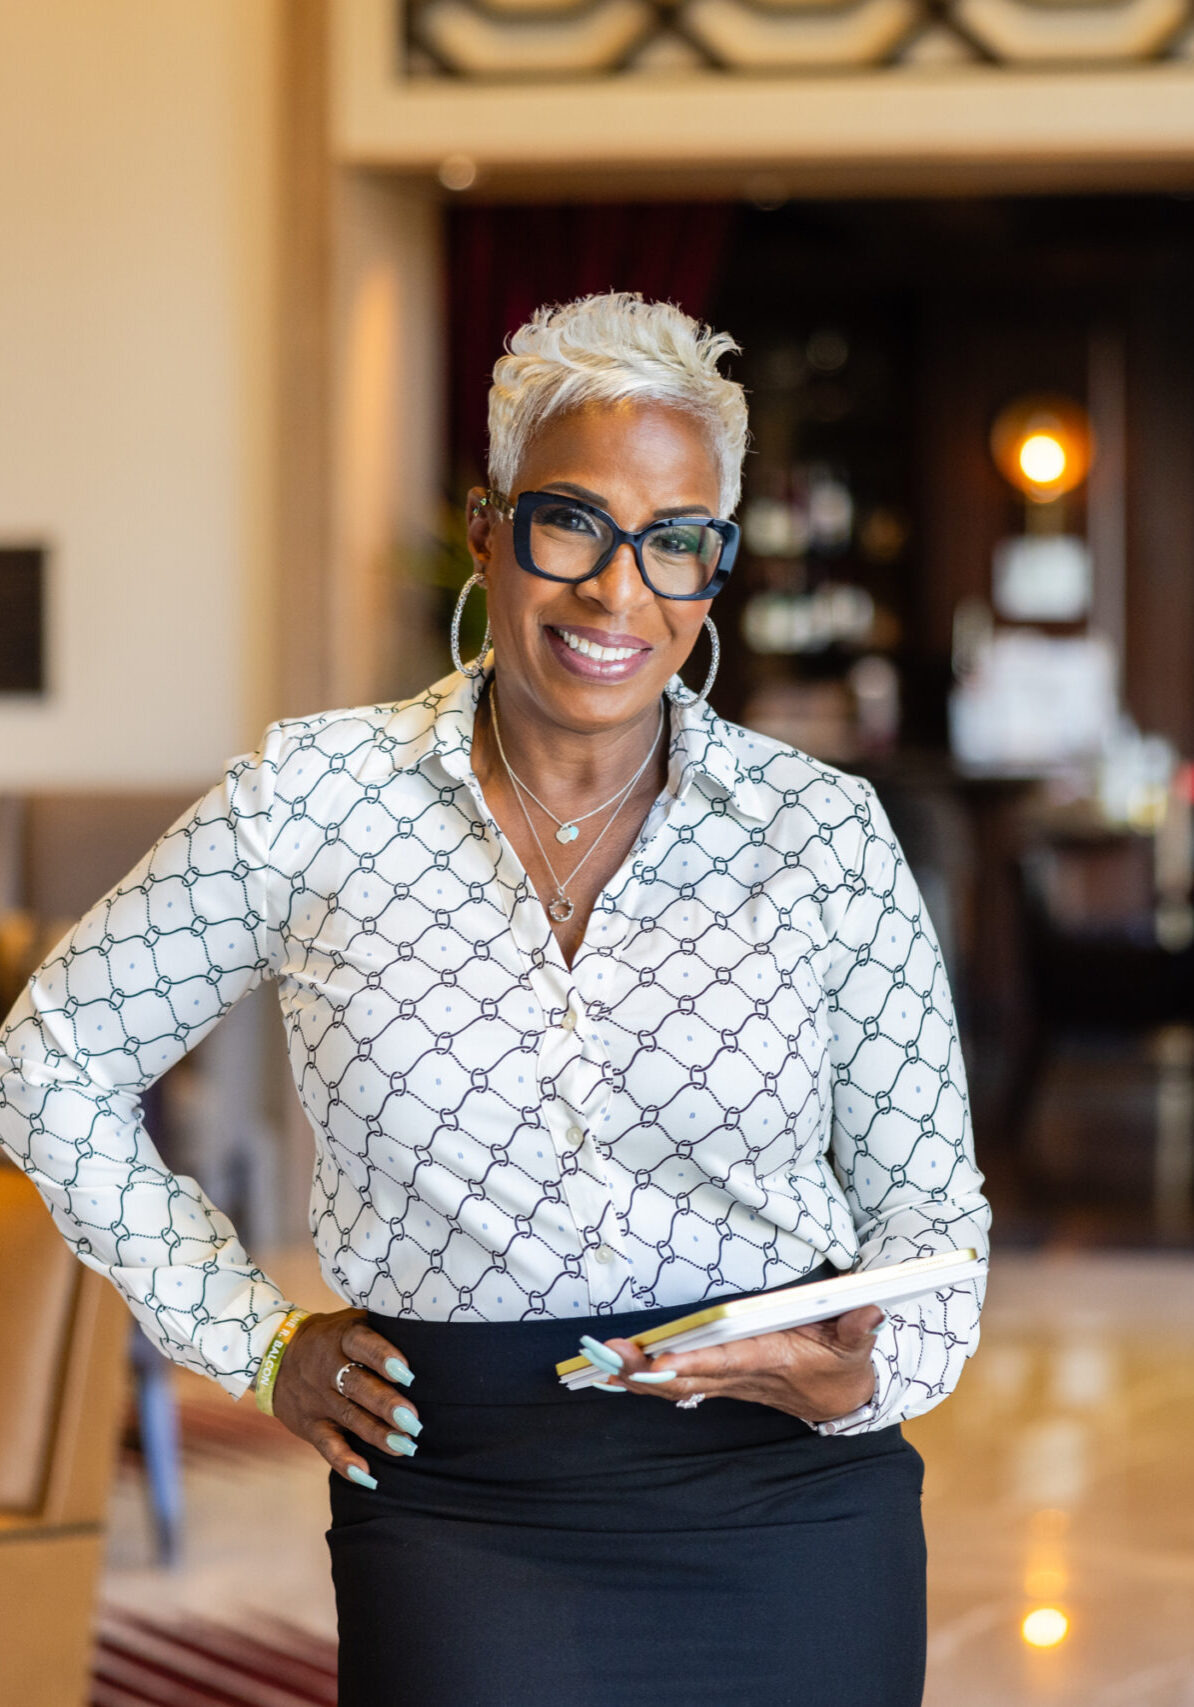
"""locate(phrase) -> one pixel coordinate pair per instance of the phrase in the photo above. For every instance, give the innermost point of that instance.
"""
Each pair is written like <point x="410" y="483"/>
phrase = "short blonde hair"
<point x="610" y="349"/>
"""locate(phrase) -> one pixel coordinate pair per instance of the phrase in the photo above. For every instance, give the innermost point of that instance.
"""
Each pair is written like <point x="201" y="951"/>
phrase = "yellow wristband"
<point x="267" y="1372"/>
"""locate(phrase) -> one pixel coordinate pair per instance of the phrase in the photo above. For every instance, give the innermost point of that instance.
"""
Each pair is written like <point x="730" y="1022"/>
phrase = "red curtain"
<point x="505" y="261"/>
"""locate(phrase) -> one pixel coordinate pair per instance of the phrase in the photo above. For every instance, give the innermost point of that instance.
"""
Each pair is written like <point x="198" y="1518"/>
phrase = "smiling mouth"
<point x="591" y="649"/>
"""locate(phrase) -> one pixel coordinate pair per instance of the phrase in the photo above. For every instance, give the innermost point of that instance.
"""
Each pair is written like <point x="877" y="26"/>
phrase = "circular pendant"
<point x="561" y="909"/>
<point x="567" y="833"/>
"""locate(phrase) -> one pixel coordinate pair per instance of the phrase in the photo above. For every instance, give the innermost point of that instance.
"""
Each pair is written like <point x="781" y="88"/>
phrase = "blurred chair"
<point x="1094" y="963"/>
<point x="1093" y="954"/>
<point x="63" y="1339"/>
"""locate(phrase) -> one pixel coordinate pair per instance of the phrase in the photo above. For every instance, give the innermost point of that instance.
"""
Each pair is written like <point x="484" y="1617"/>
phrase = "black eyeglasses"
<point x="563" y="539"/>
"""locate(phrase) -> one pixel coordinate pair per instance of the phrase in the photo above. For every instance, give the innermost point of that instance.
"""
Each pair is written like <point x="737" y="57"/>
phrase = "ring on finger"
<point x="692" y="1401"/>
<point x="342" y="1372"/>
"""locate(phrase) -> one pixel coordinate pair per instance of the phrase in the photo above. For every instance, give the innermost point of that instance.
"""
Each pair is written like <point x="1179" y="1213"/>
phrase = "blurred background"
<point x="256" y="262"/>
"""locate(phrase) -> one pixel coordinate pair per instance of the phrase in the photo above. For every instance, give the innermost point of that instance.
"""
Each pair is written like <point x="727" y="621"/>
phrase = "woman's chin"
<point x="590" y="708"/>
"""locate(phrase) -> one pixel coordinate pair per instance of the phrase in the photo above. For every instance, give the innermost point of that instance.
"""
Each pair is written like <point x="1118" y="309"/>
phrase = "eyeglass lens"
<point x="568" y="541"/>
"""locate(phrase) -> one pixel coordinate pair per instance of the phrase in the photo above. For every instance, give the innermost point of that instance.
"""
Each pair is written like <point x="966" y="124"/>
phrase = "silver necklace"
<point x="569" y="828"/>
<point x="561" y="907"/>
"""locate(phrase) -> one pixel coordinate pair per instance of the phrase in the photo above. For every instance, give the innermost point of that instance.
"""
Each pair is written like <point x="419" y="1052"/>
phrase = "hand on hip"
<point x="338" y="1374"/>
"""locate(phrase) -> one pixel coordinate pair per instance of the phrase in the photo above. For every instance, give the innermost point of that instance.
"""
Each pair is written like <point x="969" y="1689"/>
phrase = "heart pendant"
<point x="567" y="833"/>
<point x="560" y="909"/>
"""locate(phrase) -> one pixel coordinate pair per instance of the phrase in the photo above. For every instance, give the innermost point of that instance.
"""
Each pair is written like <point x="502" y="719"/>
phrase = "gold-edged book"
<point x="792" y="1307"/>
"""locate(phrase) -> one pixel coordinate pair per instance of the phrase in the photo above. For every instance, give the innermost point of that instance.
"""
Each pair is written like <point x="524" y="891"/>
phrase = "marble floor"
<point x="1059" y="1483"/>
<point x="1059" y="1478"/>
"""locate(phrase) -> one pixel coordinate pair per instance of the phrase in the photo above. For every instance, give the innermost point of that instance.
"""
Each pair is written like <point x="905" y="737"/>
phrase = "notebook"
<point x="792" y="1307"/>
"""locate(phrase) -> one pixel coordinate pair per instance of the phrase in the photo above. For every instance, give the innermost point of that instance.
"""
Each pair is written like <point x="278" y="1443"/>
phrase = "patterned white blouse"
<point x="752" y="1066"/>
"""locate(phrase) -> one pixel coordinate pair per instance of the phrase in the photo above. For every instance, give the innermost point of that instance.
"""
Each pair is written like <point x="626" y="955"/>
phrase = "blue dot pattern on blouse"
<point x="751" y="1067"/>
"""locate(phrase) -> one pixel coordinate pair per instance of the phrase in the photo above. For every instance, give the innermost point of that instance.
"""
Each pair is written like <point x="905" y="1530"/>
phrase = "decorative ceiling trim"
<point x="934" y="110"/>
<point x="484" y="40"/>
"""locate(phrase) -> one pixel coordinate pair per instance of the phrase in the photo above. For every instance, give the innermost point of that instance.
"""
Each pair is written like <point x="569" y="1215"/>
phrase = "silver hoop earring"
<point x="685" y="696"/>
<point x="477" y="667"/>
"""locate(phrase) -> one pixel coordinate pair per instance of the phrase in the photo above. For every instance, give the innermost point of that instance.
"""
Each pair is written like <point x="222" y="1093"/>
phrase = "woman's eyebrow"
<point x="599" y="502"/>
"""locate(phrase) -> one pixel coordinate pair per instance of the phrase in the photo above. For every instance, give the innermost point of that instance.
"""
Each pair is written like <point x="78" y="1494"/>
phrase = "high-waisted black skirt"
<point x="553" y="1549"/>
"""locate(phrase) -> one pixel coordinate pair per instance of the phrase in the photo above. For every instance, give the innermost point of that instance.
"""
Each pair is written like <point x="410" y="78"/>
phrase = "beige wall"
<point x="387" y="439"/>
<point x="137" y="236"/>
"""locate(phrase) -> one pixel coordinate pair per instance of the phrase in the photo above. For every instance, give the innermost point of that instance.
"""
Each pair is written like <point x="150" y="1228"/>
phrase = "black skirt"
<point x="553" y="1549"/>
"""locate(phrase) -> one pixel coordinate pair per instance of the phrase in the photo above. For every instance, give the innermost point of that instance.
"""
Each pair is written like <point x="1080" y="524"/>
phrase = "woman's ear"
<point x="480" y="524"/>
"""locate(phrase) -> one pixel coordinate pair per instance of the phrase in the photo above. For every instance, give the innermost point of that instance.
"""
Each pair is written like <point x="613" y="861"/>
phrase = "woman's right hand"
<point x="374" y="1406"/>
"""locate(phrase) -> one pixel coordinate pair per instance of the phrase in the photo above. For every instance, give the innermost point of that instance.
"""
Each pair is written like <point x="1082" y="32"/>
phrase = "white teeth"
<point x="590" y="648"/>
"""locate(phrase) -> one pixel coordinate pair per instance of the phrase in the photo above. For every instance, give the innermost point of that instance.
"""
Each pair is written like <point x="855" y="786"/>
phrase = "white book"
<point x="792" y="1307"/>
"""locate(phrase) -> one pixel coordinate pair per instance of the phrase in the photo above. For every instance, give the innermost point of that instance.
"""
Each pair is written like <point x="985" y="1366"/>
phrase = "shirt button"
<point x="576" y="1135"/>
<point x="603" y="1253"/>
<point x="568" y="1023"/>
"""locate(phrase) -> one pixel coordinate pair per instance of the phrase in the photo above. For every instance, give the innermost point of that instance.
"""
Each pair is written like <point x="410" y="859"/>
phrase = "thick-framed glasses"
<point x="563" y="539"/>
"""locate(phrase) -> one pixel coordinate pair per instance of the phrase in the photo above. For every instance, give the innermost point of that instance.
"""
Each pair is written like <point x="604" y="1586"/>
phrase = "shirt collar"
<point x="701" y="753"/>
<point x="455" y="702"/>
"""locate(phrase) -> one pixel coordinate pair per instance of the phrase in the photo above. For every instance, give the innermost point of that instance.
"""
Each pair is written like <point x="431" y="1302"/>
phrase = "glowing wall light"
<point x="1045" y="1627"/>
<point x="1043" y="446"/>
<point x="1043" y="459"/>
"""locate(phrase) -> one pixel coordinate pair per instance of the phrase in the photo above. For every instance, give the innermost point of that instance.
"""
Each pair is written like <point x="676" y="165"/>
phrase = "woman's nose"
<point x="619" y="587"/>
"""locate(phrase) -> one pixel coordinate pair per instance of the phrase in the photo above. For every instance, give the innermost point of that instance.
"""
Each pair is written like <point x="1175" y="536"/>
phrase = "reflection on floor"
<point x="1060" y="1491"/>
<point x="1059" y="1502"/>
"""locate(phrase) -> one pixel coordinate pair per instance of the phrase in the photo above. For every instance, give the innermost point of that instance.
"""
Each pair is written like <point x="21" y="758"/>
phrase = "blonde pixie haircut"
<point x="611" y="349"/>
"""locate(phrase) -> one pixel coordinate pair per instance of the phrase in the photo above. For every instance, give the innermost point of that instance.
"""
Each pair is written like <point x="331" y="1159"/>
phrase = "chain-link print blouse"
<point x="751" y="1067"/>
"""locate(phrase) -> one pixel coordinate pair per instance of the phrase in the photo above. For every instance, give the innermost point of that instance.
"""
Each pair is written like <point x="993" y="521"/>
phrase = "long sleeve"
<point x="902" y="1145"/>
<point x="140" y="980"/>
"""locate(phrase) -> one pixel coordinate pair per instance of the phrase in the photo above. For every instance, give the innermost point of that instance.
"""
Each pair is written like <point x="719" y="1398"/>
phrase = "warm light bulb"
<point x="1043" y="459"/>
<point x="1045" y="1627"/>
<point x="1042" y="445"/>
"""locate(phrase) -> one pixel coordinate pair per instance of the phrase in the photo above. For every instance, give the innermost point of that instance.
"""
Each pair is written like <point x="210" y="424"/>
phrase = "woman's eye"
<point x="679" y="542"/>
<point x="565" y="518"/>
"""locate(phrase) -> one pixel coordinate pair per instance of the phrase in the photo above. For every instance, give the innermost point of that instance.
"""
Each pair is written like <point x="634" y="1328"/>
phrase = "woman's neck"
<point x="567" y="768"/>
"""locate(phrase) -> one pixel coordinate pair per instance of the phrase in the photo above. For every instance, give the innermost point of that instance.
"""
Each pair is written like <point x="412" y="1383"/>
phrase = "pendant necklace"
<point x="568" y="829"/>
<point x="561" y="907"/>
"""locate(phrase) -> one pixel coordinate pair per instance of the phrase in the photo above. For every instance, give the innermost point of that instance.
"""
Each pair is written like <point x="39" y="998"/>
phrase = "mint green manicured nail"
<point x="606" y="1365"/>
<point x="658" y="1376"/>
<point x="362" y="1477"/>
<point x="600" y="1354"/>
<point x="407" y="1420"/>
<point x="397" y="1371"/>
<point x="604" y="1387"/>
<point x="400" y="1443"/>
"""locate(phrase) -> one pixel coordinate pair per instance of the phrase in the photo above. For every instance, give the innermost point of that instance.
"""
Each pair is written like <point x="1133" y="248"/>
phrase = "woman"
<point x="599" y="1007"/>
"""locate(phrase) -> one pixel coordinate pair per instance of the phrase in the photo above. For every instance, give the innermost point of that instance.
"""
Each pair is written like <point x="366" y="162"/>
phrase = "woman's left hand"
<point x="815" y="1373"/>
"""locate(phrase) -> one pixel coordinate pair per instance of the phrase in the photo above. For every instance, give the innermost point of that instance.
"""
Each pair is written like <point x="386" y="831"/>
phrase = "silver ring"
<point x="691" y="1403"/>
<point x="341" y="1373"/>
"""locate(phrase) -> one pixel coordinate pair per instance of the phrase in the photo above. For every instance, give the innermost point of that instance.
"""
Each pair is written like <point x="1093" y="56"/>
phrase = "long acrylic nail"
<point x="362" y="1477"/>
<point x="397" y="1371"/>
<point x="605" y="1387"/>
<point x="656" y="1377"/>
<point x="407" y="1420"/>
<point x="401" y="1443"/>
<point x="606" y="1365"/>
<point x="600" y="1354"/>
